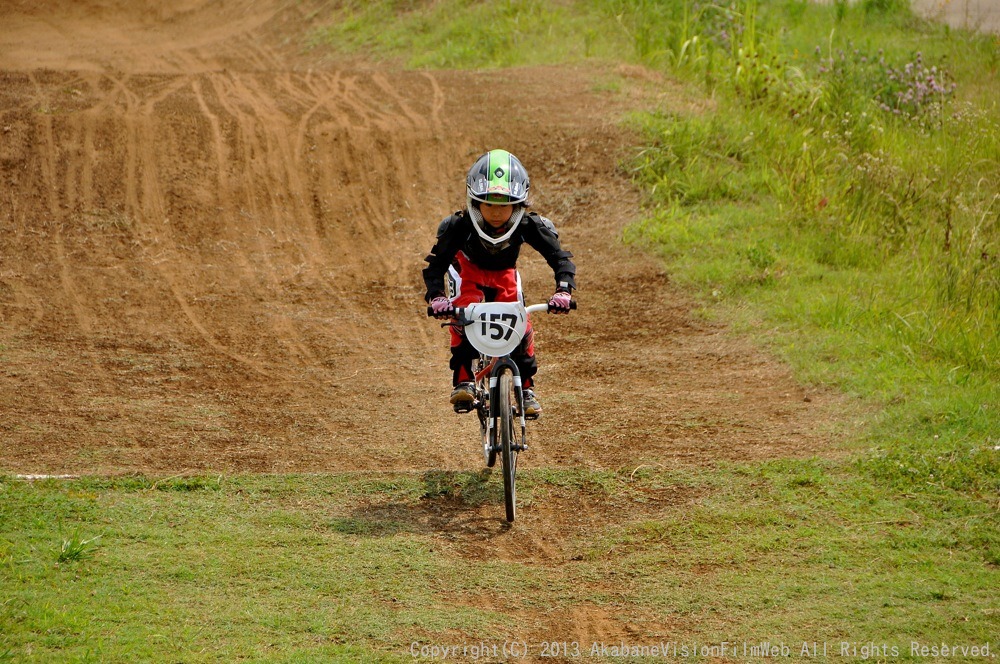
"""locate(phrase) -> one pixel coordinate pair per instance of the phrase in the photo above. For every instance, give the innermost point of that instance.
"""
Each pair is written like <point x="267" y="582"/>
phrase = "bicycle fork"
<point x="496" y="370"/>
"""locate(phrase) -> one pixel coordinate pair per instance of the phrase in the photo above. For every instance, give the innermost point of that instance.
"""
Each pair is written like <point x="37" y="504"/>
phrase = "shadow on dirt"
<point x="455" y="505"/>
<point x="556" y="515"/>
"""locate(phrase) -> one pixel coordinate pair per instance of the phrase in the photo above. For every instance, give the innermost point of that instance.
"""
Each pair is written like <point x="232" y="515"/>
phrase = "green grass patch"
<point x="835" y="206"/>
<point x="332" y="568"/>
<point x="460" y="33"/>
<point x="251" y="569"/>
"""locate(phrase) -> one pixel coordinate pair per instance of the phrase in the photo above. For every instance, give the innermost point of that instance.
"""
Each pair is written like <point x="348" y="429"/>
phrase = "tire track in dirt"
<point x="21" y="309"/>
<point x="366" y="152"/>
<point x="247" y="125"/>
<point x="264" y="127"/>
<point x="146" y="202"/>
<point x="376" y="143"/>
<point x="71" y="284"/>
<point x="279" y="160"/>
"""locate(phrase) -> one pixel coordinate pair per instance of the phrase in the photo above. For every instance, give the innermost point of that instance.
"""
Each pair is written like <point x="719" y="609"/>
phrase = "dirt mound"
<point x="211" y="249"/>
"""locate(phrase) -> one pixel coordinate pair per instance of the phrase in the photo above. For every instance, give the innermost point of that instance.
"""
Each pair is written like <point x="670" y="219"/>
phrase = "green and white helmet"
<point x="497" y="177"/>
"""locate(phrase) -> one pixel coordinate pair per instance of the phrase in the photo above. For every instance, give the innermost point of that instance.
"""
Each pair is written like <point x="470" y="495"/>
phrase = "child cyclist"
<point x="479" y="246"/>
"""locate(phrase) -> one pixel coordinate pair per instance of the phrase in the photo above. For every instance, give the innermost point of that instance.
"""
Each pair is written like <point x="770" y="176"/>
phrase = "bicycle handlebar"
<point x="534" y="308"/>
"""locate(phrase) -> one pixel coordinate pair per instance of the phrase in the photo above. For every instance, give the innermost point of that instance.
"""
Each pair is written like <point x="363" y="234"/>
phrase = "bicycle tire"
<point x="508" y="453"/>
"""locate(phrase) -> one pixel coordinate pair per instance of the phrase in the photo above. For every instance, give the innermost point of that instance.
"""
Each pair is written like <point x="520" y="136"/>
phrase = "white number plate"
<point x="497" y="327"/>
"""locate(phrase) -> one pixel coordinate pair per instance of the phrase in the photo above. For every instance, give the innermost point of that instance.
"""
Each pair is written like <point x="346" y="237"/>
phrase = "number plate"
<point x="497" y="327"/>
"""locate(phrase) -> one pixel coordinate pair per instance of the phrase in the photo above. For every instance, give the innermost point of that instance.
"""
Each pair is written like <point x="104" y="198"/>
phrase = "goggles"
<point x="497" y="199"/>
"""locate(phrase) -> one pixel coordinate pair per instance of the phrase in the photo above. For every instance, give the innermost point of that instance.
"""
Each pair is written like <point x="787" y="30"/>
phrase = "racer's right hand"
<point x="442" y="307"/>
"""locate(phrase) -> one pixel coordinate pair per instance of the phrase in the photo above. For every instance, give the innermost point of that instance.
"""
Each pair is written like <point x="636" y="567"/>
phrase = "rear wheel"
<point x="506" y="404"/>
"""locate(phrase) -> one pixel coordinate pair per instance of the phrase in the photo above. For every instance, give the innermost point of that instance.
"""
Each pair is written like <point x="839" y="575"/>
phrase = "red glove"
<point x="442" y="307"/>
<point x="559" y="303"/>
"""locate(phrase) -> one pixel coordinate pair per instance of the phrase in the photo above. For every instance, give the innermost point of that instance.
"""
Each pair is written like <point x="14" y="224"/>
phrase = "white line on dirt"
<point x="47" y="477"/>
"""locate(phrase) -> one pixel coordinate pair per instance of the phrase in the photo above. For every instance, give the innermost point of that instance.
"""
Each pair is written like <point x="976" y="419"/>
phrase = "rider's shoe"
<point x="462" y="397"/>
<point x="532" y="409"/>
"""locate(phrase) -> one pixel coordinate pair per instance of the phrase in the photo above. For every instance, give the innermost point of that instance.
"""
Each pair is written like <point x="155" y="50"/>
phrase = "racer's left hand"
<point x="559" y="303"/>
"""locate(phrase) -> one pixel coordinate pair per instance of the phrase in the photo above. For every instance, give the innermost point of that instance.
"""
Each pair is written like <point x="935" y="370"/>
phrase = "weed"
<point x="912" y="90"/>
<point x="761" y="256"/>
<point x="75" y="548"/>
<point x="879" y="166"/>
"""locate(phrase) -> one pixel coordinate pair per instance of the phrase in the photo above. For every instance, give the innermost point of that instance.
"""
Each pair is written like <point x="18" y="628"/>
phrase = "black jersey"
<point x="456" y="233"/>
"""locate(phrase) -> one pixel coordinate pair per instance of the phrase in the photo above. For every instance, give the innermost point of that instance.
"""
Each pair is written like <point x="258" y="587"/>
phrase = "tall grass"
<point x="851" y="194"/>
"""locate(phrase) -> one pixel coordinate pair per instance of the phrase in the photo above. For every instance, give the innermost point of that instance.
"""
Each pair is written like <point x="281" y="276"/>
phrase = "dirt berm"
<point x="211" y="244"/>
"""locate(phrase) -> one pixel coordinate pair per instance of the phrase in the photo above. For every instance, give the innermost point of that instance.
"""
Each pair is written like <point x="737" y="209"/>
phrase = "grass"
<point x="845" y="218"/>
<point x="359" y="568"/>
<point x="453" y="33"/>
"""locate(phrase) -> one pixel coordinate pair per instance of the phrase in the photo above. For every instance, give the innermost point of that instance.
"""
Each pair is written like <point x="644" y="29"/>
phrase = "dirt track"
<point x="211" y="249"/>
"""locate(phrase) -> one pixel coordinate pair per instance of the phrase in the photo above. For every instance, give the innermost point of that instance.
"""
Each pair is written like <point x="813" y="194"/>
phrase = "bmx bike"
<point x="495" y="329"/>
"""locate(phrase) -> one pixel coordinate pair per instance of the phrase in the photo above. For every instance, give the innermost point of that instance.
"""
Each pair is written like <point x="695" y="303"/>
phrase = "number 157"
<point x="496" y="329"/>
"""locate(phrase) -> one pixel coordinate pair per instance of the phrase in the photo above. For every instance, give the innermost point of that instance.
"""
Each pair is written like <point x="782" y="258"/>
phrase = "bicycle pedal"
<point x="532" y="416"/>
<point x="464" y="407"/>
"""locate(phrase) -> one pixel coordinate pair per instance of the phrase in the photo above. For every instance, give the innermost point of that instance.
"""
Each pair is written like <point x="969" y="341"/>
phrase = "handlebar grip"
<point x="456" y="312"/>
<point x="572" y="305"/>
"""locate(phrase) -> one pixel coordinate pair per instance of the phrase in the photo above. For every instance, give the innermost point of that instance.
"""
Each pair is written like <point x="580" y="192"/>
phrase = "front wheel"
<point x="506" y="404"/>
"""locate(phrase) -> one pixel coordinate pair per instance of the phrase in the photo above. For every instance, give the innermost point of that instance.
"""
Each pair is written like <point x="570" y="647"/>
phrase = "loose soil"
<point x="211" y="250"/>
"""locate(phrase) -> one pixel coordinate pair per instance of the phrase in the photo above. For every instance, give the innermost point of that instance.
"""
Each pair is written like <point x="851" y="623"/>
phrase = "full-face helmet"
<point x="497" y="177"/>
